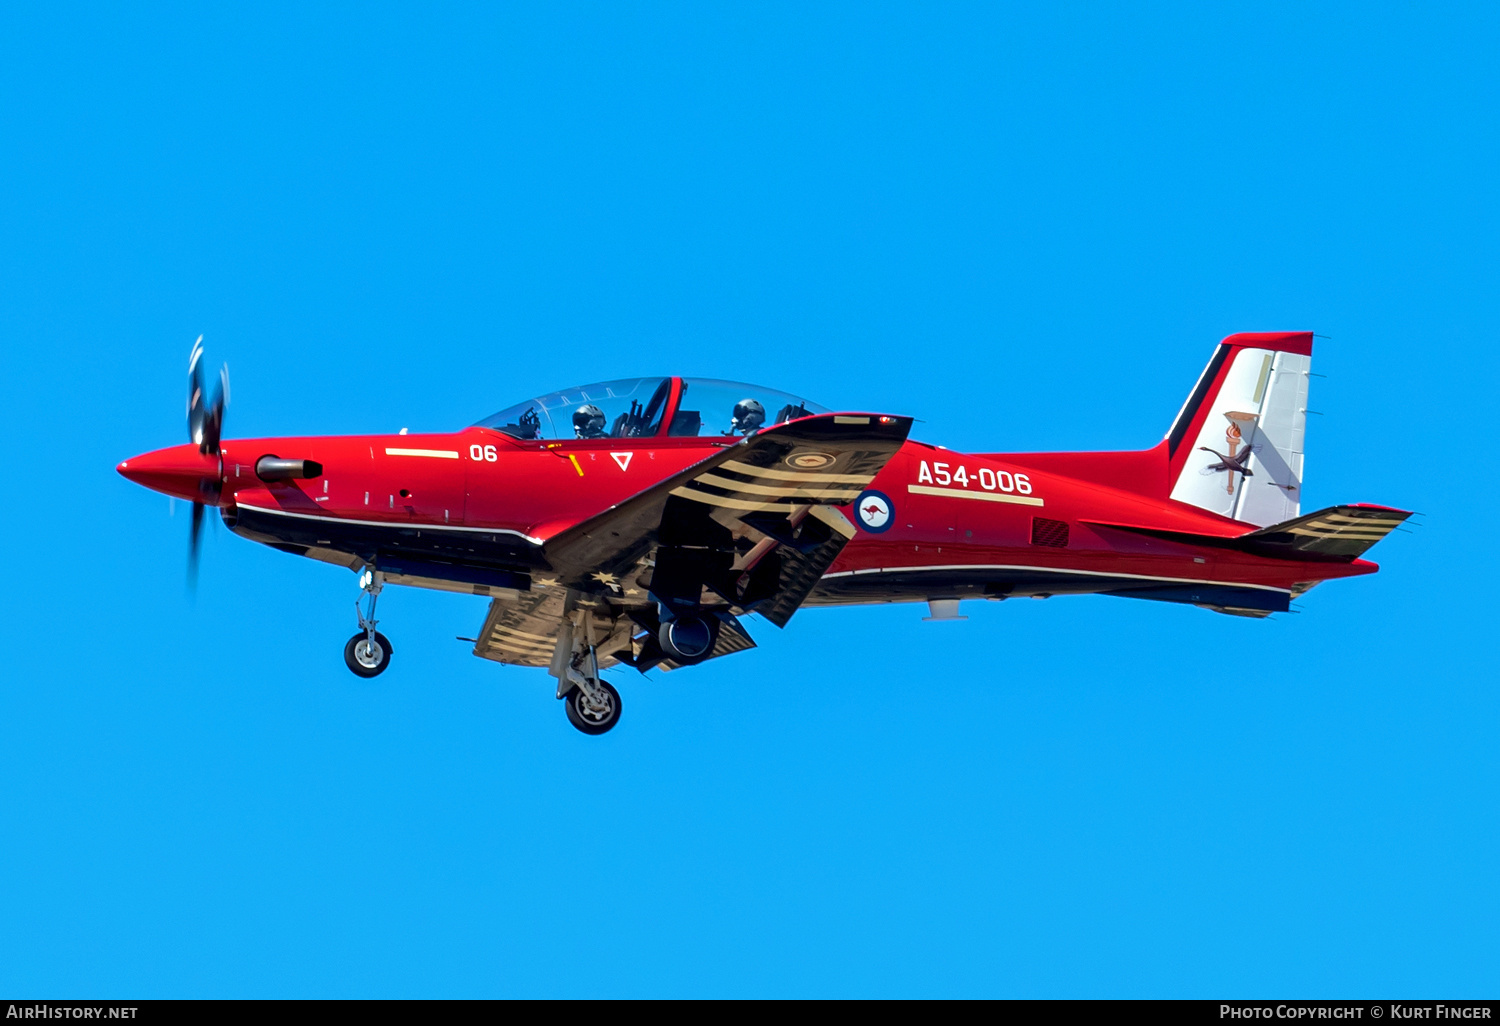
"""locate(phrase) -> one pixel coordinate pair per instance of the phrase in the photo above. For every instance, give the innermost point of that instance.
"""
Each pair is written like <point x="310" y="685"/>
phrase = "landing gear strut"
<point x="593" y="705"/>
<point x="368" y="653"/>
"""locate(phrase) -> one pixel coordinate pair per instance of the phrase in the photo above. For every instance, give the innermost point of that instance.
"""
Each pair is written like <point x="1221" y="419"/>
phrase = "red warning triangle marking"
<point x="623" y="459"/>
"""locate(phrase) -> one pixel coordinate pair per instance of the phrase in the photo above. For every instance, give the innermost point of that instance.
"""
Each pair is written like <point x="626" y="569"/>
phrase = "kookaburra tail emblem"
<point x="1238" y="460"/>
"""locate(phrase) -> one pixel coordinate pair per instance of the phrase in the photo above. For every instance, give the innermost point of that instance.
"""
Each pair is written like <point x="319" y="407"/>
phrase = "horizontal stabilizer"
<point x="1338" y="532"/>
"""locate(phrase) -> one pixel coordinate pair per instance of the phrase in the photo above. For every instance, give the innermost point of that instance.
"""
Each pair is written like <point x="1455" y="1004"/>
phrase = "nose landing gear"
<point x="368" y="653"/>
<point x="368" y="656"/>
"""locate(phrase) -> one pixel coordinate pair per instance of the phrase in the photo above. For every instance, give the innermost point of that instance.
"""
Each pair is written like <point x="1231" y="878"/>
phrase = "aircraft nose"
<point x="180" y="471"/>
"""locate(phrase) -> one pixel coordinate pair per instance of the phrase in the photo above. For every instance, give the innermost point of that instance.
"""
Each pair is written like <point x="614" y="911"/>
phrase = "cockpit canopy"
<point x="651" y="407"/>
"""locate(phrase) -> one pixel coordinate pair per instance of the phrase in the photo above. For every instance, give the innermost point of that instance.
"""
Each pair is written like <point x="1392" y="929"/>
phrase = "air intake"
<point x="1051" y="533"/>
<point x="273" y="468"/>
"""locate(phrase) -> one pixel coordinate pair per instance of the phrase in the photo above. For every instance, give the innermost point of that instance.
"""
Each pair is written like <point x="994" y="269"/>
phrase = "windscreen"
<point x="628" y="408"/>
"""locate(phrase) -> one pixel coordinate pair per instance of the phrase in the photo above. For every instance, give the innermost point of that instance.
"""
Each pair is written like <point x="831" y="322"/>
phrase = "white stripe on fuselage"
<point x="960" y="493"/>
<point x="437" y="454"/>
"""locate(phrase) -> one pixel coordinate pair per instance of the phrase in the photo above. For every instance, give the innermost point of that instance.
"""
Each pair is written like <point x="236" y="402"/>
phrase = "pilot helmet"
<point x="748" y="416"/>
<point x="588" y="421"/>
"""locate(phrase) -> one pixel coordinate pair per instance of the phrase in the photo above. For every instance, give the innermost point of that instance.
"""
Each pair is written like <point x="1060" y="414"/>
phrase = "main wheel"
<point x="367" y="659"/>
<point x="594" y="718"/>
<point x="688" y="638"/>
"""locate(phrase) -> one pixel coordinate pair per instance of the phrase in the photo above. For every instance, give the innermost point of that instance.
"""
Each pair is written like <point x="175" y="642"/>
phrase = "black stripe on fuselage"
<point x="368" y="542"/>
<point x="919" y="585"/>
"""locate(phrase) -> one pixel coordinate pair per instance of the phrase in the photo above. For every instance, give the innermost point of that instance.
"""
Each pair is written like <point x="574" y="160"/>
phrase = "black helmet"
<point x="748" y="416"/>
<point x="588" y="421"/>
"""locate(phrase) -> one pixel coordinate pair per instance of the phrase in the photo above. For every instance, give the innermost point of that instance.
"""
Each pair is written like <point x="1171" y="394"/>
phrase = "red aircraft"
<point x="638" y="522"/>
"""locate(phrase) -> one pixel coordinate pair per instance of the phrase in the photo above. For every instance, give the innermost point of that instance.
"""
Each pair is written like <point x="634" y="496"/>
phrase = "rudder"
<point x="1236" y="446"/>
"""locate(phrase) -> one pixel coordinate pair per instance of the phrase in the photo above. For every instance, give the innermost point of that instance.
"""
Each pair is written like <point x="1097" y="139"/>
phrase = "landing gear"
<point x="594" y="709"/>
<point x="368" y="653"/>
<point x="368" y="656"/>
<point x="593" y="706"/>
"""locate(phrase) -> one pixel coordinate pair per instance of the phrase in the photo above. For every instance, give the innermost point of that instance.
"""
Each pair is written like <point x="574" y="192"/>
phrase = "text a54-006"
<point x="946" y="474"/>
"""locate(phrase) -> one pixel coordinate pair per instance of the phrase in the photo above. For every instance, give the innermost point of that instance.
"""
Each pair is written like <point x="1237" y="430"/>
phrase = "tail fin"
<point x="1236" y="446"/>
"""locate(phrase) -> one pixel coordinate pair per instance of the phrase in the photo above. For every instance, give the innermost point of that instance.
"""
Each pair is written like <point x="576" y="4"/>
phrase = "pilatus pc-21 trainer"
<point x="639" y="522"/>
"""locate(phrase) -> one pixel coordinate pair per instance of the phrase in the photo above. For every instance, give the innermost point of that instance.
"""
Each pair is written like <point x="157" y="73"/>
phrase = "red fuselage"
<point x="953" y="525"/>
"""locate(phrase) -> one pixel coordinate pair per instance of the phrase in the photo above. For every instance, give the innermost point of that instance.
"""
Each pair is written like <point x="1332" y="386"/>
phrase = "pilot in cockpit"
<point x="588" y="421"/>
<point x="748" y="417"/>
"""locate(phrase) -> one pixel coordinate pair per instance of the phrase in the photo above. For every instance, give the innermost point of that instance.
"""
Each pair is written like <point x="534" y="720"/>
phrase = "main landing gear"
<point x="368" y="653"/>
<point x="592" y="703"/>
<point x="594" y="709"/>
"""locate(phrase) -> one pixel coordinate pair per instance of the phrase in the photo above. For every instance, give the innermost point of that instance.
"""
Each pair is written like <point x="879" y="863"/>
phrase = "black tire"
<point x="588" y="719"/>
<point x="689" y="638"/>
<point x="367" y="664"/>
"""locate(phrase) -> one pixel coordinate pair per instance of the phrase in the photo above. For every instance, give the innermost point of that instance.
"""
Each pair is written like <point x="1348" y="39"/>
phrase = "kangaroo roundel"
<point x="875" y="511"/>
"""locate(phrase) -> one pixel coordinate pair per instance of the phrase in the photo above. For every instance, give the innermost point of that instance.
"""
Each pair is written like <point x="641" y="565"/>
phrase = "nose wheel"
<point x="593" y="709"/>
<point x="368" y="656"/>
<point x="368" y="653"/>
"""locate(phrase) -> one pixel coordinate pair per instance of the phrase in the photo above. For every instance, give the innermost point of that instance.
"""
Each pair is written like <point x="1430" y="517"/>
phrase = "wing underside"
<point x="750" y="529"/>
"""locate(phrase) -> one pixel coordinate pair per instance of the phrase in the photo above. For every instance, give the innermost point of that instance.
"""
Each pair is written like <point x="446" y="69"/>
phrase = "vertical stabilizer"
<point x="1236" y="446"/>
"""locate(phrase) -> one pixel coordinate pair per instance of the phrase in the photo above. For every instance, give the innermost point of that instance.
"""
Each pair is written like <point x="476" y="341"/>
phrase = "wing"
<point x="753" y="525"/>
<point x="752" y="528"/>
<point x="523" y="631"/>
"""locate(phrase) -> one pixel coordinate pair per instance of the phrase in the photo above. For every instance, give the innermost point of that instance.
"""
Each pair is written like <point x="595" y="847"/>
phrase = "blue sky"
<point x="1025" y="225"/>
